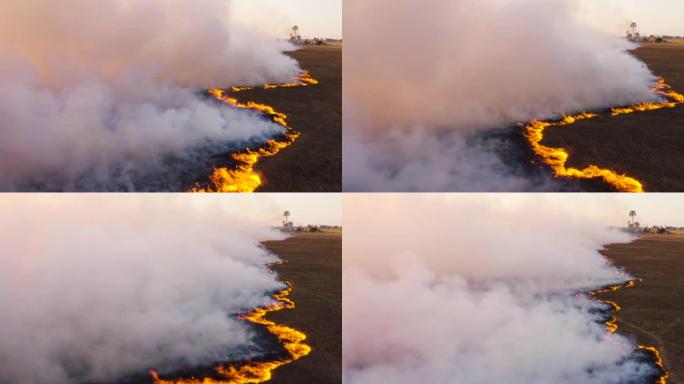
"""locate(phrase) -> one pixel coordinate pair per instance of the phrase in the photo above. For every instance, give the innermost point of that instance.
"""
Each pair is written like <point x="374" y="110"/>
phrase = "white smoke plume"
<point x="94" y="288"/>
<point x="478" y="289"/>
<point x="421" y="77"/>
<point x="92" y="94"/>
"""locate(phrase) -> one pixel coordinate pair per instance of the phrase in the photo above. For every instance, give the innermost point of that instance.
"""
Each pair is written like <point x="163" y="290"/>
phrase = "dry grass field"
<point x="646" y="145"/>
<point x="313" y="263"/>
<point x="652" y="309"/>
<point x="314" y="162"/>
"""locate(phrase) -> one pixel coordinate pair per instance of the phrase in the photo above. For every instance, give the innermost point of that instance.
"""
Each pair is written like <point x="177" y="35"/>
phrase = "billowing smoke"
<point x="94" y="288"/>
<point x="99" y="95"/>
<point x="421" y="78"/>
<point x="478" y="289"/>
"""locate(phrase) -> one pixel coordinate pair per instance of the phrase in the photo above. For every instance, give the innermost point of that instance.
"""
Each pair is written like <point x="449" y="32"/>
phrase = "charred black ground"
<point x="518" y="160"/>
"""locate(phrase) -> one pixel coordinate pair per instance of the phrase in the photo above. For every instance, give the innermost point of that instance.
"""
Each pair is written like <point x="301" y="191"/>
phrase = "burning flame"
<point x="244" y="177"/>
<point x="612" y="327"/>
<point x="662" y="89"/>
<point x="557" y="158"/>
<point x="611" y="324"/>
<point x="658" y="361"/>
<point x="305" y="79"/>
<point x="292" y="340"/>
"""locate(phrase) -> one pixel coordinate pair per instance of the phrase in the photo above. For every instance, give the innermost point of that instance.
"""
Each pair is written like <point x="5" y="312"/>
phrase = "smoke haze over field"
<point x="109" y="89"/>
<point x="478" y="289"/>
<point x="440" y="71"/>
<point x="96" y="287"/>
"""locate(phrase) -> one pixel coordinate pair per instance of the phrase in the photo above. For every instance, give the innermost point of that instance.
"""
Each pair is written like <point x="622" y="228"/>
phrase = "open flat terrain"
<point x="313" y="264"/>
<point x="646" y="145"/>
<point x="314" y="162"/>
<point x="652" y="309"/>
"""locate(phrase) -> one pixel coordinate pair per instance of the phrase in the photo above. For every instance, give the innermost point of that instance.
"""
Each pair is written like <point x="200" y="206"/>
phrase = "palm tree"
<point x="632" y="224"/>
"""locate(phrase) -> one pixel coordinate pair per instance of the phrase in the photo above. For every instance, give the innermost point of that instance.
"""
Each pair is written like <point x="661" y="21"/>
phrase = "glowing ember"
<point x="612" y="327"/>
<point x="291" y="339"/>
<point x="244" y="177"/>
<point x="557" y="158"/>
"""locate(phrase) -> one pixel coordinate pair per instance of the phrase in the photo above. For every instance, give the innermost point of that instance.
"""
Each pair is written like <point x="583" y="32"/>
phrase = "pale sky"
<point x="315" y="18"/>
<point x="654" y="17"/>
<point x="609" y="209"/>
<point x="613" y="208"/>
<point x="262" y="208"/>
<point x="323" y="18"/>
<point x="651" y="208"/>
<point x="306" y="208"/>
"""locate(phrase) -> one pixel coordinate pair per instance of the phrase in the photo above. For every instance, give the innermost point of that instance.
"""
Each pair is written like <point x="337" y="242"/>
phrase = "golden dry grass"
<point x="652" y="309"/>
<point x="314" y="162"/>
<point x="314" y="266"/>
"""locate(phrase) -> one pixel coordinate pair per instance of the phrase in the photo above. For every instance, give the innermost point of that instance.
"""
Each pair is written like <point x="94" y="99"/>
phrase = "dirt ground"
<point x="314" y="162"/>
<point x="652" y="309"/>
<point x="646" y="145"/>
<point x="314" y="266"/>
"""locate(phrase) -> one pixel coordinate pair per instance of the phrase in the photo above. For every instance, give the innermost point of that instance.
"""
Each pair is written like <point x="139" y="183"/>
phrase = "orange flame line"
<point x="292" y="340"/>
<point x="557" y="158"/>
<point x="612" y="327"/>
<point x="244" y="177"/>
<point x="658" y="361"/>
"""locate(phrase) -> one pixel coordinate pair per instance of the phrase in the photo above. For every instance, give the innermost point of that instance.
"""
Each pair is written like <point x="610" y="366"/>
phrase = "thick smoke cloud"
<point x="94" y="288"/>
<point x="477" y="290"/>
<point x="93" y="94"/>
<point x="437" y="72"/>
